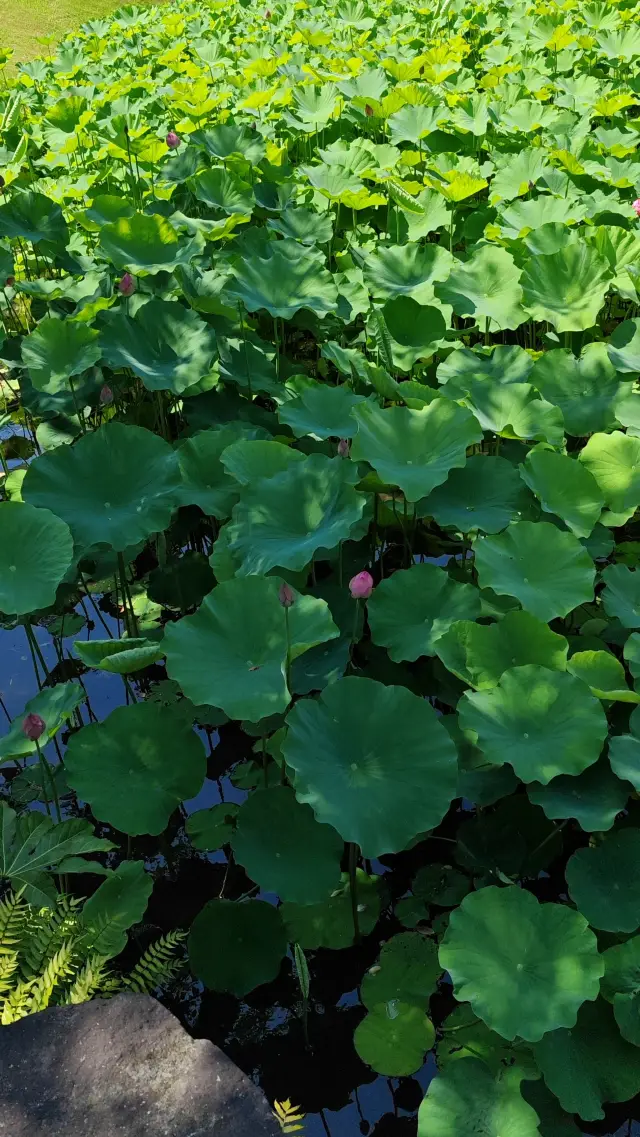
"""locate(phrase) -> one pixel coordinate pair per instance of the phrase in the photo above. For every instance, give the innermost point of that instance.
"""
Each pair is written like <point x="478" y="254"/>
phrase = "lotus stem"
<point x="353" y="890"/>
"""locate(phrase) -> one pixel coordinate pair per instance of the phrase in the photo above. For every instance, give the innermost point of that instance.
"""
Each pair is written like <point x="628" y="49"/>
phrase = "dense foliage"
<point x="310" y="296"/>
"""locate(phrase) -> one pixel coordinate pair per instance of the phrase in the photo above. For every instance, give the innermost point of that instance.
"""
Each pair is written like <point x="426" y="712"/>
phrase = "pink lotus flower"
<point x="361" y="585"/>
<point x="286" y="595"/>
<point x="343" y="447"/>
<point x="173" y="140"/>
<point x="127" y="284"/>
<point x="34" y="727"/>
<point x="106" y="396"/>
<point x="635" y="205"/>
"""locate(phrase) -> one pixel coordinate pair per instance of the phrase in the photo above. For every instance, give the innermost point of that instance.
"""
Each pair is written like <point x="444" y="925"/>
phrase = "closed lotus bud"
<point x="11" y="281"/>
<point x="285" y="595"/>
<point x="343" y="447"/>
<point x="1" y="182"/>
<point x="361" y="585"/>
<point x="267" y="15"/>
<point x="636" y="206"/>
<point x="173" y="140"/>
<point x="127" y="284"/>
<point x="106" y="396"/>
<point x="34" y="727"/>
<point x="368" y="111"/>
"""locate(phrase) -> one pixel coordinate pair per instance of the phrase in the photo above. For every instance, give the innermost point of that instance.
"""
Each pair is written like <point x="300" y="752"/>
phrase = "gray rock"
<point x="122" y="1066"/>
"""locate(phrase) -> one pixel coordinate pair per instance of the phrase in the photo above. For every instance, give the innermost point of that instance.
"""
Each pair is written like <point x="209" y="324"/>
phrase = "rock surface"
<point x="122" y="1066"/>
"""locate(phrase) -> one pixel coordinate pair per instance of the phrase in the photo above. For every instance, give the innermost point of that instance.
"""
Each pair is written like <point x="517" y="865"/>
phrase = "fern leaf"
<point x="8" y="968"/>
<point x="17" y="1003"/>
<point x="45" y="933"/>
<point x="383" y="339"/>
<point x="57" y="969"/>
<point x="14" y="912"/>
<point x="93" y="979"/>
<point x="290" y="1116"/>
<point x="157" y="965"/>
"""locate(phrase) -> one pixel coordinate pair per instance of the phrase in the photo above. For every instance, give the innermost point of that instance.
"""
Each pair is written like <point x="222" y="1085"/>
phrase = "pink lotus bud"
<point x="361" y="585"/>
<point x="267" y="15"/>
<point x="636" y="206"/>
<point x="343" y="447"/>
<point x="286" y="595"/>
<point x="11" y="281"/>
<point x="34" y="726"/>
<point x="173" y="140"/>
<point x="106" y="396"/>
<point x="127" y="284"/>
<point x="368" y="110"/>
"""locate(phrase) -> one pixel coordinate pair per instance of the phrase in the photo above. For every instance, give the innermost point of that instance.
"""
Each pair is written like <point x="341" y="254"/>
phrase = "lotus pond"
<point x="319" y="559"/>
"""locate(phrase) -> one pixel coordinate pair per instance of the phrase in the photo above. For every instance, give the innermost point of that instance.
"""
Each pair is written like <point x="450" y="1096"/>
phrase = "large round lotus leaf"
<point x="329" y="924"/>
<point x="553" y="1121"/>
<point x="564" y="487"/>
<point x="182" y="582"/>
<point x="502" y="365"/>
<point x="467" y="1098"/>
<point x="591" y="1064"/>
<point x="232" y="651"/>
<point x="466" y="1036"/>
<point x="566" y="288"/>
<point x="33" y="217"/>
<point x="55" y="706"/>
<point x="393" y="1038"/>
<point x="36" y="550"/>
<point x="147" y="243"/>
<point x="322" y="411"/>
<point x="283" y="284"/>
<point x="594" y="797"/>
<point x="281" y="522"/>
<point x="414" y="449"/>
<point x="209" y="829"/>
<point x="407" y="969"/>
<point x="373" y="761"/>
<point x="136" y="767"/>
<point x="480" y="653"/>
<point x="248" y="460"/>
<point x="120" y="657"/>
<point x="114" y="487"/>
<point x="235" y="947"/>
<point x="548" y="571"/>
<point x="486" y="288"/>
<point x="406" y="270"/>
<point x="282" y="847"/>
<point x="515" y="838"/>
<point x="515" y="410"/>
<point x="219" y="189"/>
<point x="303" y="225"/>
<point x="485" y="494"/>
<point x="624" y="347"/>
<point x="229" y="139"/>
<point x="410" y="610"/>
<point x="169" y="346"/>
<point x="57" y="349"/>
<point x="614" y="461"/>
<point x="415" y="330"/>
<point x="621" y="597"/>
<point x="621" y="986"/>
<point x="624" y="758"/>
<point x="604" y="674"/>
<point x="604" y="882"/>
<point x="525" y="967"/>
<point x="205" y="480"/>
<point x="584" y="388"/>
<point x="440" y="884"/>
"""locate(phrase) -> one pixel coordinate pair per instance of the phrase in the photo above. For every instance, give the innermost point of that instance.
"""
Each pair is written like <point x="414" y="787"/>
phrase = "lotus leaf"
<point x="208" y="829"/>
<point x="604" y="674"/>
<point x="283" y="285"/>
<point x="55" y="706"/>
<point x="564" y="487"/>
<point x="467" y="1096"/>
<point x="407" y="970"/>
<point x="167" y="345"/>
<point x="624" y="347"/>
<point x="567" y="288"/>
<point x="250" y="944"/>
<point x="321" y="411"/>
<point x="205" y="479"/>
<point x="479" y="654"/>
<point x="249" y="460"/>
<point x="36" y="550"/>
<point x="604" y="882"/>
<point x="392" y="1038"/>
<point x="407" y="270"/>
<point x="594" y="798"/>
<point x="486" y="495"/>
<point x="614" y="461"/>
<point x="621" y="986"/>
<point x="120" y="901"/>
<point x="621" y="596"/>
<point x="58" y="349"/>
<point x="330" y="923"/>
<point x="147" y="244"/>
<point x="121" y="657"/>
<point x="221" y="190"/>
<point x="583" y="387"/>
<point x="486" y="288"/>
<point x="411" y="610"/>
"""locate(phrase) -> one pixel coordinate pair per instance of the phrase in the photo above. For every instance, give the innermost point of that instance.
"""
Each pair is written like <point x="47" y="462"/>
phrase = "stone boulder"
<point x="122" y="1066"/>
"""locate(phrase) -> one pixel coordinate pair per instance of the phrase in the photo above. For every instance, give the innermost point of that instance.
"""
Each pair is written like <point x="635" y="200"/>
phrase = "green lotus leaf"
<point x="621" y="986"/>
<point x="283" y="848"/>
<point x="250" y="945"/>
<point x="441" y="885"/>
<point x="467" y="1096"/>
<point x="514" y="410"/>
<point x="229" y="139"/>
<point x="107" y="207"/>
<point x="301" y="224"/>
<point x="584" y="388"/>
<point x="222" y="190"/>
<point x="33" y="217"/>
<point x="566" y="288"/>
<point x="624" y="347"/>
<point x="564" y="487"/>
<point x="373" y="761"/>
<point x="543" y="722"/>
<point x="410" y="610"/>
<point x="393" y="1037"/>
<point x="631" y="653"/>
<point x="406" y="270"/>
<point x="329" y="924"/>
<point x="479" y="654"/>
<point x="549" y="238"/>
<point x="614" y="461"/>
<point x="465" y="1036"/>
<point x="553" y="1121"/>
<point x="412" y="123"/>
<point x="136" y="767"/>
<point x="407" y="970"/>
<point x="181" y="582"/>
<point x="621" y="597"/>
<point x="604" y="882"/>
<point x="624" y="756"/>
<point x="281" y="522"/>
<point x="604" y="674"/>
<point x="486" y="495"/>
<point x="594" y="798"/>
<point x="205" y="479"/>
<point x="591" y="1064"/>
<point x="283" y="285"/>
<point x="486" y="288"/>
<point x="232" y="651"/>
<point x="167" y="345"/>
<point x="415" y="330"/>
<point x="55" y="706"/>
<point x="525" y="967"/>
<point x="248" y="460"/>
<point x="414" y="450"/>
<point x="120" y="657"/>
<point x="36" y="551"/>
<point x="548" y="571"/>
<point x="147" y="244"/>
<point x="114" y="487"/>
<point x="322" y="411"/>
<point x="56" y="350"/>
<point x="501" y="366"/>
<point x="209" y="829"/>
<point x="519" y="218"/>
<point x="119" y="902"/>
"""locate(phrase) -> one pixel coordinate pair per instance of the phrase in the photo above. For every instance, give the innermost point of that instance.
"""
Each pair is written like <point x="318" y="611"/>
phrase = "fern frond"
<point x="17" y="1003"/>
<point x="93" y="979"/>
<point x="14" y="912"/>
<point x="45" y="932"/>
<point x="57" y="969"/>
<point x="290" y="1116"/>
<point x="8" y="968"/>
<point x="157" y="965"/>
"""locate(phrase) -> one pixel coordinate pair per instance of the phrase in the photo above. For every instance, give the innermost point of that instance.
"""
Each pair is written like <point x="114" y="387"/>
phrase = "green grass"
<point x="24" y="23"/>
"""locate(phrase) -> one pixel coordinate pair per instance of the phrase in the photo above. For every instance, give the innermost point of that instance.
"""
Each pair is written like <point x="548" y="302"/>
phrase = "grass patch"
<point x="27" y="23"/>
